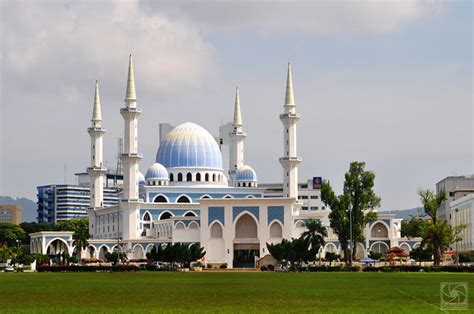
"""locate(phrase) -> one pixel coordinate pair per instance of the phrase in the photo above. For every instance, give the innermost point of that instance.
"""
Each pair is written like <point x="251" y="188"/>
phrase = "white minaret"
<point x="96" y="171"/>
<point x="130" y="157"/>
<point x="237" y="137"/>
<point x="290" y="161"/>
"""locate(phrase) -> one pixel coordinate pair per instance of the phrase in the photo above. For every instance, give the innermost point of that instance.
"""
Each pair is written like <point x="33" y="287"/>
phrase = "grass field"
<point x="225" y="291"/>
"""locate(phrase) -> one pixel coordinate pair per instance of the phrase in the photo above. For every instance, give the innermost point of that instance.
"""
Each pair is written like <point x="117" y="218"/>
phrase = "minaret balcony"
<point x="96" y="130"/>
<point x="131" y="156"/>
<point x="130" y="111"/>
<point x="290" y="116"/>
<point x="290" y="160"/>
<point x="96" y="169"/>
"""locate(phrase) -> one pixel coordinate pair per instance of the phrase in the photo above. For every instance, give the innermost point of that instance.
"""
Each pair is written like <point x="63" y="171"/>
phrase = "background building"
<point x="59" y="202"/>
<point x="450" y="185"/>
<point x="10" y="213"/>
<point x="462" y="213"/>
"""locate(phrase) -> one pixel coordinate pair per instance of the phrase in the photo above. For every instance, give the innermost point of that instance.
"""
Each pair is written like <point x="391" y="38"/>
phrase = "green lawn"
<point x="229" y="292"/>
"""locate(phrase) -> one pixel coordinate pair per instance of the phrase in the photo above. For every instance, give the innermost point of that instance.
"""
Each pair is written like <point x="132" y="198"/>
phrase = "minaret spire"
<point x="290" y="159"/>
<point x="237" y="114"/>
<point x="96" y="170"/>
<point x="130" y="94"/>
<point x="289" y="97"/>
<point x="96" y="113"/>
<point x="237" y="137"/>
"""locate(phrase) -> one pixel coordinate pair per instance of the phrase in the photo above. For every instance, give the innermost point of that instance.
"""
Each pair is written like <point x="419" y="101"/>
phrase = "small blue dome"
<point x="245" y="173"/>
<point x="157" y="171"/>
<point x="140" y="178"/>
<point x="189" y="145"/>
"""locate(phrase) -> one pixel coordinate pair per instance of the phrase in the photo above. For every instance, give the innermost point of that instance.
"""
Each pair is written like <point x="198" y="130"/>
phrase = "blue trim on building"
<point x="276" y="212"/>
<point x="216" y="213"/>
<point x="251" y="209"/>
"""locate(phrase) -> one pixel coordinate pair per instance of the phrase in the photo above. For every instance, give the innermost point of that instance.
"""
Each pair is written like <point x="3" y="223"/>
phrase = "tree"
<point x="413" y="228"/>
<point x="11" y="233"/>
<point x="437" y="235"/>
<point x="32" y="227"/>
<point x="80" y="227"/>
<point x="356" y="202"/>
<point x="421" y="254"/>
<point x="315" y="233"/>
<point x="296" y="251"/>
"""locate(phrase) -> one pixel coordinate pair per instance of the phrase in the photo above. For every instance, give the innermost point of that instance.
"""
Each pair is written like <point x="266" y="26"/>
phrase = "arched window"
<point x="171" y="177"/>
<point x="275" y="230"/>
<point x="189" y="177"/>
<point x="205" y="196"/>
<point x="183" y="199"/>
<point x="214" y="177"/>
<point x="180" y="177"/>
<point x="246" y="227"/>
<point x="216" y="230"/>
<point x="147" y="217"/>
<point x="198" y="177"/>
<point x="160" y="199"/>
<point x="206" y="177"/>
<point x="190" y="214"/>
<point x="379" y="231"/>
<point x="166" y="215"/>
<point x="180" y="225"/>
<point x="193" y="225"/>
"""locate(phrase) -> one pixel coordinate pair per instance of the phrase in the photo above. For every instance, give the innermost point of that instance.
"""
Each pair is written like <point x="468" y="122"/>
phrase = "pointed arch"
<point x="198" y="177"/>
<point x="180" y="177"/>
<point x="216" y="230"/>
<point x="379" y="230"/>
<point x="246" y="226"/>
<point x="179" y="225"/>
<point x="193" y="225"/>
<point x="276" y="229"/>
<point x="183" y="198"/>
<point x="165" y="215"/>
<point x="189" y="177"/>
<point x="228" y="196"/>
<point x="205" y="196"/>
<point x="171" y="177"/>
<point x="161" y="198"/>
<point x="206" y="177"/>
<point x="189" y="213"/>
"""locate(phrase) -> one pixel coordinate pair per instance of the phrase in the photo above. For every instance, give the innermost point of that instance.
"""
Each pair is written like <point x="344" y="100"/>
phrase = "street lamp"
<point x="455" y="225"/>
<point x="350" y="230"/>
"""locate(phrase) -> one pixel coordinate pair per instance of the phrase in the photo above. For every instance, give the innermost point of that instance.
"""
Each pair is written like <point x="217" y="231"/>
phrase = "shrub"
<point x="271" y="268"/>
<point x="223" y="266"/>
<point x="263" y="268"/>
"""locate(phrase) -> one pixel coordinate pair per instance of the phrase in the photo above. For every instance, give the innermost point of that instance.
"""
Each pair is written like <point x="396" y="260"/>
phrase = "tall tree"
<point x="356" y="202"/>
<point x="437" y="235"/>
<point x="413" y="227"/>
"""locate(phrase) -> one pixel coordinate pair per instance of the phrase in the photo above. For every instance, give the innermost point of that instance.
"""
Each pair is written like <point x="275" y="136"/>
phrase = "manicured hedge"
<point x="71" y="268"/>
<point x="392" y="269"/>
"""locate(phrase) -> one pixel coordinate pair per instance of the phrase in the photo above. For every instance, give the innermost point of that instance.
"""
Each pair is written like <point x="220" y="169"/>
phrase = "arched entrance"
<point x="246" y="243"/>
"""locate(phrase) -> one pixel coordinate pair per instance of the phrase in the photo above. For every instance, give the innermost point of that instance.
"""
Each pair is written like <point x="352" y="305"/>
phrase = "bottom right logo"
<point x="454" y="295"/>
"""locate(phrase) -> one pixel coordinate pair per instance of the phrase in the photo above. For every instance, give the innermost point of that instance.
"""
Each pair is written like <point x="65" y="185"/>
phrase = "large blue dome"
<point x="189" y="145"/>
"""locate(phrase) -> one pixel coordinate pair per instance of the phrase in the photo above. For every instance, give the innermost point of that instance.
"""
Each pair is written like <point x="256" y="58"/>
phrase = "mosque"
<point x="187" y="197"/>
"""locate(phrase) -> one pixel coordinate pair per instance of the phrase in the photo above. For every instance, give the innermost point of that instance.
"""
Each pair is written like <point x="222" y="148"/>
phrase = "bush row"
<point x="71" y="268"/>
<point x="398" y="268"/>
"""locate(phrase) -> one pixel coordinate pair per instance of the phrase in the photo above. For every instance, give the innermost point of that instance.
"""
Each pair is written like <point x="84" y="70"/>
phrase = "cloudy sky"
<point x="388" y="83"/>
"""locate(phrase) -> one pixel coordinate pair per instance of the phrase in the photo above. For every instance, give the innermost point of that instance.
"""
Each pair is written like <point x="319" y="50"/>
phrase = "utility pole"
<point x="350" y="230"/>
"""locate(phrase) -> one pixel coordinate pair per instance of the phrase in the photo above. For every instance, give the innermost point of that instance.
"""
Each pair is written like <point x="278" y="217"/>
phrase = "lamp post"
<point x="455" y="225"/>
<point x="350" y="230"/>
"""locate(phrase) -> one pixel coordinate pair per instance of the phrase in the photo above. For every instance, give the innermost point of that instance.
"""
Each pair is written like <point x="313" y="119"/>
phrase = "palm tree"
<point x="81" y="237"/>
<point x="315" y="233"/>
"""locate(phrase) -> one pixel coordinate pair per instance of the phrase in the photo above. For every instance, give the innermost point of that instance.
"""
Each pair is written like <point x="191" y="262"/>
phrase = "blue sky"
<point x="389" y="83"/>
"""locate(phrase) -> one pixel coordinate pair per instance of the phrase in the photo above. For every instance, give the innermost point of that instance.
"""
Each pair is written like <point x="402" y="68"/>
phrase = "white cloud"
<point x="323" y="17"/>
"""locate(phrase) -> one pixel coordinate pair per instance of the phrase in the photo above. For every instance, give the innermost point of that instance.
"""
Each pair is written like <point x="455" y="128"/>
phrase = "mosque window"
<point x="160" y="199"/>
<point x="183" y="199"/>
<point x="189" y="177"/>
<point x="166" y="215"/>
<point x="198" y="177"/>
<point x="180" y="177"/>
<point x="171" y="177"/>
<point x="214" y="177"/>
<point x="206" y="177"/>
<point x="190" y="214"/>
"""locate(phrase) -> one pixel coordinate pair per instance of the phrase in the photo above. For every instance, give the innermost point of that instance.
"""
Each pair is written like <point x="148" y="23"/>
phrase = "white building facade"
<point x="188" y="195"/>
